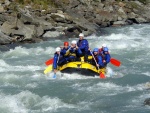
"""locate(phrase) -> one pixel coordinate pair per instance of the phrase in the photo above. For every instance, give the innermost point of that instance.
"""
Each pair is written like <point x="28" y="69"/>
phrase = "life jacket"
<point x="64" y="50"/>
<point x="57" y="58"/>
<point x="83" y="45"/>
<point x="105" y="57"/>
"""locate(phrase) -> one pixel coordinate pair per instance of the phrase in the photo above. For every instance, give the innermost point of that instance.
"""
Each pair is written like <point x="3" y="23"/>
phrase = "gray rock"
<point x="50" y="34"/>
<point x="4" y="39"/>
<point x="147" y="101"/>
<point x="39" y="31"/>
<point x="141" y="20"/>
<point x="1" y="9"/>
<point x="2" y="18"/>
<point x="28" y="31"/>
<point x="119" y="23"/>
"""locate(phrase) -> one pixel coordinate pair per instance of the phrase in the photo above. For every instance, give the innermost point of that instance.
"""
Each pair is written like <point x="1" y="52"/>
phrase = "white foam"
<point x="22" y="51"/>
<point x="146" y="73"/>
<point x="26" y="100"/>
<point x="8" y="68"/>
<point x="10" y="104"/>
<point x="17" y="52"/>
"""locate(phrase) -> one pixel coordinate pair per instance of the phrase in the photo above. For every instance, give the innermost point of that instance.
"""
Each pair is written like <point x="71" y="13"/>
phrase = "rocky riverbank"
<point x="25" y="21"/>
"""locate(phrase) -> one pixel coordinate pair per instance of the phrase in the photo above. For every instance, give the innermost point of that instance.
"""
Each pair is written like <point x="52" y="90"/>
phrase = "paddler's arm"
<point x="55" y="62"/>
<point x="67" y="52"/>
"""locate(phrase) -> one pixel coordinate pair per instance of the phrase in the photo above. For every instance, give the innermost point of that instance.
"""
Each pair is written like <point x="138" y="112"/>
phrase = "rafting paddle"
<point x="48" y="69"/>
<point x="115" y="62"/>
<point x="101" y="75"/>
<point x="54" y="76"/>
<point x="49" y="62"/>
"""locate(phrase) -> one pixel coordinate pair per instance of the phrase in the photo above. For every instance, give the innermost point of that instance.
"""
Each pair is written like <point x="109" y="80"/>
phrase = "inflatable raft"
<point x="81" y="67"/>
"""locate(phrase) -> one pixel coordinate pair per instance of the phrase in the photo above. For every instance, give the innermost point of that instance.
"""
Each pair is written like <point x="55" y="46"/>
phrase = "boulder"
<point x="4" y="39"/>
<point x="119" y="23"/>
<point x="141" y="20"/>
<point x="147" y="101"/>
<point x="1" y="9"/>
<point x="28" y="31"/>
<point x="50" y="34"/>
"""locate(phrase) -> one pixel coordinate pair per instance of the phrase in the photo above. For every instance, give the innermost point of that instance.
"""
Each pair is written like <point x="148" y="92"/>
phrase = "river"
<point x="25" y="89"/>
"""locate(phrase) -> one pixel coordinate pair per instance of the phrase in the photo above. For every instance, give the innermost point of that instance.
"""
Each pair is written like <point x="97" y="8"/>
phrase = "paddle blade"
<point x="115" y="62"/>
<point x="102" y="76"/>
<point x="54" y="76"/>
<point x="48" y="69"/>
<point x="49" y="62"/>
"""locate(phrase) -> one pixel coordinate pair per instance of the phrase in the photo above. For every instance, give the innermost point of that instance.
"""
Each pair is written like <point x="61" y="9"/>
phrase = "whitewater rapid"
<point x="25" y="89"/>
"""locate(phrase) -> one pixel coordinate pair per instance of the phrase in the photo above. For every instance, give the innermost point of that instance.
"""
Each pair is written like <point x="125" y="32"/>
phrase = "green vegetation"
<point x="43" y="4"/>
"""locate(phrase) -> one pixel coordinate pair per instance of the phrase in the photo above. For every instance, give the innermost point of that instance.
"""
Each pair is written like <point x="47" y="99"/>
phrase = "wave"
<point x="26" y="101"/>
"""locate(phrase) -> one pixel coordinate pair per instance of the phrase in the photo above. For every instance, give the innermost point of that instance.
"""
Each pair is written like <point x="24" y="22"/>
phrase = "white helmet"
<point x="58" y="49"/>
<point x="74" y="42"/>
<point x="104" y="45"/>
<point x="81" y="34"/>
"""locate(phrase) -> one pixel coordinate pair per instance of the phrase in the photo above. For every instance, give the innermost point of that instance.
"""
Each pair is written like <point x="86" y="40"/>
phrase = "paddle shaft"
<point x="94" y="59"/>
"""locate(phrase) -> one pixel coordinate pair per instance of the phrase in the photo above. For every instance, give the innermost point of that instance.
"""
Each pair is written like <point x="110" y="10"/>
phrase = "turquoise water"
<point x="25" y="89"/>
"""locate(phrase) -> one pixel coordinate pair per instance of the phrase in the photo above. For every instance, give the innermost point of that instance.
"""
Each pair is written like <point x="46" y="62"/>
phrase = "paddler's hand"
<point x="97" y="65"/>
<point x="104" y="61"/>
<point x="77" y="47"/>
<point x="55" y="70"/>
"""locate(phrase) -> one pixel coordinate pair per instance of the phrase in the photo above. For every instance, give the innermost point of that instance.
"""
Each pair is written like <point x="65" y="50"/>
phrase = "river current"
<point x="25" y="89"/>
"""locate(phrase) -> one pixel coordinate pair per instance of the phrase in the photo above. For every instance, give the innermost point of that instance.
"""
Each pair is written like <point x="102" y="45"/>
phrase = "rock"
<point x="132" y="15"/>
<point x="119" y="23"/>
<point x="50" y="34"/>
<point x="141" y="20"/>
<point x="39" y="31"/>
<point x="122" y="13"/>
<point x="2" y="18"/>
<point x="121" y="4"/>
<point x="28" y="31"/>
<point x="4" y="39"/>
<point x="147" y="101"/>
<point x="2" y="9"/>
<point x="119" y="18"/>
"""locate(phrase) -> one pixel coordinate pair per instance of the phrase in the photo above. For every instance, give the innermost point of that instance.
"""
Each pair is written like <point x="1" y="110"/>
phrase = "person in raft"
<point x="105" y="56"/>
<point x="58" y="59"/>
<point x="97" y="60"/>
<point x="64" y="48"/>
<point x="83" y="46"/>
<point x="102" y="48"/>
<point x="73" y="52"/>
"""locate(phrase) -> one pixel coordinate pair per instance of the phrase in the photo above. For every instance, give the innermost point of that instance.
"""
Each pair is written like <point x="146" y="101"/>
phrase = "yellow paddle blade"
<point x="48" y="69"/>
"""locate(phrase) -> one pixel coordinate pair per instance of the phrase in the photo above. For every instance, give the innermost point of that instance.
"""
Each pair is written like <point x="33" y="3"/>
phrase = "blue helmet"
<point x="105" y="49"/>
<point x="95" y="50"/>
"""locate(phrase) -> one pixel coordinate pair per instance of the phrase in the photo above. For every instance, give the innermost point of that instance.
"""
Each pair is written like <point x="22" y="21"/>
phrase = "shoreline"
<point x="24" y="23"/>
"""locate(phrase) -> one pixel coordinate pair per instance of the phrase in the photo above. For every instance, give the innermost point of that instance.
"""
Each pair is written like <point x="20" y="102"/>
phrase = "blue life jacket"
<point x="99" y="60"/>
<point x="57" y="58"/>
<point x="75" y="52"/>
<point x="106" y="57"/>
<point x="83" y="45"/>
<point x="63" y="51"/>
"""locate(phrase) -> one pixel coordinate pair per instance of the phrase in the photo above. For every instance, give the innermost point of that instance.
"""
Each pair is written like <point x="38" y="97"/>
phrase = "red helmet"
<point x="66" y="44"/>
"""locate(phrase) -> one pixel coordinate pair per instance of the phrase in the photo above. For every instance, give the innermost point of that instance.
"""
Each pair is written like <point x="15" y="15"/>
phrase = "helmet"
<point x="74" y="42"/>
<point x="105" y="49"/>
<point x="81" y="34"/>
<point x="66" y="44"/>
<point x="104" y="45"/>
<point x="95" y="50"/>
<point x="58" y="49"/>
